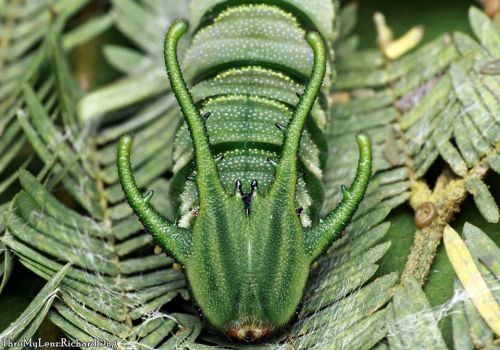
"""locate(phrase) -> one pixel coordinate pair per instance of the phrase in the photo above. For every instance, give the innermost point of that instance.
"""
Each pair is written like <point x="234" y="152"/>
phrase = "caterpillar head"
<point x="247" y="256"/>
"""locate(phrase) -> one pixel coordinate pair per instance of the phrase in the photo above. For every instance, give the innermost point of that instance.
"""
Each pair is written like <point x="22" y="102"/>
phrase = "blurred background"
<point x="437" y="16"/>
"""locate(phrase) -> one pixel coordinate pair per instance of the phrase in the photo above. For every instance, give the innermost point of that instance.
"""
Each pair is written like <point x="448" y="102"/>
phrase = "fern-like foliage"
<point x="24" y="53"/>
<point x="28" y="322"/>
<point x="108" y="288"/>
<point x="413" y="324"/>
<point x="440" y="101"/>
<point x="434" y="102"/>
<point x="24" y="56"/>
<point x="119" y="289"/>
<point x="469" y="327"/>
<point x="437" y="102"/>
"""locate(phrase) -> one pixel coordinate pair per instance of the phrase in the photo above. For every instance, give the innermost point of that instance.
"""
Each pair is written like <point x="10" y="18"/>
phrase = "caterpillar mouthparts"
<point x="248" y="332"/>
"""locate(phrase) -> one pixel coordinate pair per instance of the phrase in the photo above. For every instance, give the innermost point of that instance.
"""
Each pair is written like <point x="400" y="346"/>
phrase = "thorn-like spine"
<point x="280" y="126"/>
<point x="191" y="178"/>
<point x="253" y="186"/>
<point x="149" y="196"/>
<point x="271" y="161"/>
<point x="239" y="187"/>
<point x="219" y="158"/>
<point x="207" y="115"/>
<point x="345" y="192"/>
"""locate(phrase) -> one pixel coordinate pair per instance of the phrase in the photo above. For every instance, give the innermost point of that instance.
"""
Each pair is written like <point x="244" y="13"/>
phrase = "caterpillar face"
<point x="240" y="160"/>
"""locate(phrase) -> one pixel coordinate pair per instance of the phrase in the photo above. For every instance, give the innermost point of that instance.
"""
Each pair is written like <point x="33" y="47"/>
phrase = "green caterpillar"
<point x="247" y="177"/>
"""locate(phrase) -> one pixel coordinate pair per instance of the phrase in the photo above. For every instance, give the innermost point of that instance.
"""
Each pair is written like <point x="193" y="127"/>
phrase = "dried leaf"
<point x="470" y="277"/>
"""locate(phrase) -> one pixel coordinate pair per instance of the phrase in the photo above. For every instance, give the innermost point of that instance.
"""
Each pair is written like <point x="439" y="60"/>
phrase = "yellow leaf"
<point x="470" y="277"/>
<point x="404" y="44"/>
<point x="391" y="48"/>
<point x="384" y="33"/>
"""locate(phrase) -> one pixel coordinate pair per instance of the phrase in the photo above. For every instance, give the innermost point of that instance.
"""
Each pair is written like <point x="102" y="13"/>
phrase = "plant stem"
<point x="448" y="195"/>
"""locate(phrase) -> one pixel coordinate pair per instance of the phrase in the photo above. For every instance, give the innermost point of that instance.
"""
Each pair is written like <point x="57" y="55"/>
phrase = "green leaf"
<point x="31" y="318"/>
<point x="103" y="243"/>
<point x="27" y="30"/>
<point x="410" y="321"/>
<point x="483" y="198"/>
<point x="6" y="264"/>
<point x="445" y="109"/>
<point x="26" y="34"/>
<point x="87" y="31"/>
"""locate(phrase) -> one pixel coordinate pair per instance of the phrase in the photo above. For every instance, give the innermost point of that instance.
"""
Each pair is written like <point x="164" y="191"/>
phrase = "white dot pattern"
<point x="251" y="103"/>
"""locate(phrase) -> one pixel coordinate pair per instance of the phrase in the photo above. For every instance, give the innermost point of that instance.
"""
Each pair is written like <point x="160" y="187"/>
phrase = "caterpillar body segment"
<point x="249" y="160"/>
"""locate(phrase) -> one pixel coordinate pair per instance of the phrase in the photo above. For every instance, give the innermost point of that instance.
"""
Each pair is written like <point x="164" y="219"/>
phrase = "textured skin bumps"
<point x="319" y="14"/>
<point x="249" y="242"/>
<point x="266" y="44"/>
<point x="253" y="33"/>
<point x="240" y="268"/>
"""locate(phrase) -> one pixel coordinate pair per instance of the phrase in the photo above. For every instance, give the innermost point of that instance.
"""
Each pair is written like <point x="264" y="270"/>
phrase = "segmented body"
<point x="247" y="63"/>
<point x="253" y="147"/>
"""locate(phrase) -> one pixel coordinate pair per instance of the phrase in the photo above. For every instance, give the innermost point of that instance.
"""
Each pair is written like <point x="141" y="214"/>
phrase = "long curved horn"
<point x="320" y="237"/>
<point x="207" y="179"/>
<point x="174" y="240"/>
<point x="286" y="170"/>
